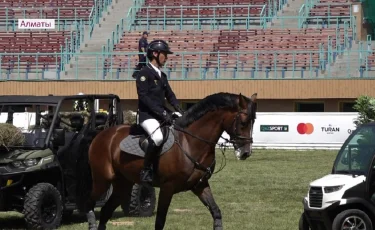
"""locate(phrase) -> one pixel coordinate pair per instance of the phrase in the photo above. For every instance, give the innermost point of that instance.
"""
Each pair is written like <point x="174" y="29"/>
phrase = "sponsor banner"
<point x="36" y="23"/>
<point x="301" y="130"/>
<point x="275" y="130"/>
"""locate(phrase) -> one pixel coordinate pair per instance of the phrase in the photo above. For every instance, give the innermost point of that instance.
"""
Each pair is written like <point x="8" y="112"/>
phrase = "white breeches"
<point x="151" y="125"/>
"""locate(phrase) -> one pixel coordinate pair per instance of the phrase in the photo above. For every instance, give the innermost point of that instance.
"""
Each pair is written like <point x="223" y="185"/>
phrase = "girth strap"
<point x="207" y="171"/>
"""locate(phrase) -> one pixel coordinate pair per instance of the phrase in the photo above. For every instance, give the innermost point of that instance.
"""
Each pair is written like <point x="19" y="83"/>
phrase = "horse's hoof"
<point x="102" y="227"/>
<point x="218" y="226"/>
<point x="93" y="227"/>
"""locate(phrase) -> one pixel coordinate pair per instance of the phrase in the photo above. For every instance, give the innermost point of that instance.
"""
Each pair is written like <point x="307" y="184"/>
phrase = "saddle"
<point x="136" y="143"/>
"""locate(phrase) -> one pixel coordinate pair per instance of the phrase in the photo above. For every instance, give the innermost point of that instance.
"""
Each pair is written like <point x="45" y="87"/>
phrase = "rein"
<point x="208" y="171"/>
<point x="197" y="164"/>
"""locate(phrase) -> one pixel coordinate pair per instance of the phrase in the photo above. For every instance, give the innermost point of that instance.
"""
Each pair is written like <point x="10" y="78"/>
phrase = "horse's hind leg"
<point x="205" y="195"/>
<point x="121" y="192"/>
<point x="98" y="189"/>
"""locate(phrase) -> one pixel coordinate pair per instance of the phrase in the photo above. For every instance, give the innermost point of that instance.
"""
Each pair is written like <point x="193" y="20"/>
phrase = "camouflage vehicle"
<point x="43" y="176"/>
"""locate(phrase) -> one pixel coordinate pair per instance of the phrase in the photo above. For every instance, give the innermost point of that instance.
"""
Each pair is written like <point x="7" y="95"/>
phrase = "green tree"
<point x="365" y="106"/>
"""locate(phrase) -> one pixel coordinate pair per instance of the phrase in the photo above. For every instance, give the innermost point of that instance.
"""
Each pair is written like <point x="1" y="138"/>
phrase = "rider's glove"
<point x="178" y="109"/>
<point x="167" y="117"/>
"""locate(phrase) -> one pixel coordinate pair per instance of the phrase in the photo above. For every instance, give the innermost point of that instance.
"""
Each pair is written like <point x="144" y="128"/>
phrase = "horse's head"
<point x="240" y="125"/>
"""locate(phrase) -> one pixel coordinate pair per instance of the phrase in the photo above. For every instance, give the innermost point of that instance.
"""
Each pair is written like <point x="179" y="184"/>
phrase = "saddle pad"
<point x="131" y="144"/>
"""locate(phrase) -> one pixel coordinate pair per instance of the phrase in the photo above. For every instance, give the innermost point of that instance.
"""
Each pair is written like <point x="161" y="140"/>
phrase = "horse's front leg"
<point x="205" y="195"/>
<point x="165" y="198"/>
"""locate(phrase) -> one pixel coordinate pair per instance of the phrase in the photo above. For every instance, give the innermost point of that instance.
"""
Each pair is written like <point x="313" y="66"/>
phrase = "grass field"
<point x="262" y="193"/>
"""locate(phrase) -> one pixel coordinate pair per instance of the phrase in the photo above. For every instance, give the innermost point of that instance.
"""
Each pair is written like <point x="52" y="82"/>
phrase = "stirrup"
<point x="146" y="176"/>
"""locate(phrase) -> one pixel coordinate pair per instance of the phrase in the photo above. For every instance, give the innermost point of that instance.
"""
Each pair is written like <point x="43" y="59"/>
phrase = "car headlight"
<point x="331" y="189"/>
<point x="31" y="162"/>
<point x="17" y="164"/>
<point x="26" y="163"/>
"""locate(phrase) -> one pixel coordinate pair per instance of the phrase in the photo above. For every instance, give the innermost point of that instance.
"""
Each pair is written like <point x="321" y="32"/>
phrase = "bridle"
<point x="235" y="136"/>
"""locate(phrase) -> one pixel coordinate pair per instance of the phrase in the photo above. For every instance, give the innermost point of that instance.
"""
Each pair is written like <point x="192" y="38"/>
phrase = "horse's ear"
<point x="254" y="97"/>
<point x="242" y="102"/>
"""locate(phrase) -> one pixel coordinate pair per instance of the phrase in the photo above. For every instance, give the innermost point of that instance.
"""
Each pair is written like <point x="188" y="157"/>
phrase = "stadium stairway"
<point x="290" y="9"/>
<point x="346" y="64"/>
<point x="349" y="62"/>
<point x="101" y="33"/>
<point x="340" y="67"/>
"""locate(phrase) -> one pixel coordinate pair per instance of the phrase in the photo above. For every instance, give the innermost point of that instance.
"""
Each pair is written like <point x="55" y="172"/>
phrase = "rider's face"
<point x="163" y="57"/>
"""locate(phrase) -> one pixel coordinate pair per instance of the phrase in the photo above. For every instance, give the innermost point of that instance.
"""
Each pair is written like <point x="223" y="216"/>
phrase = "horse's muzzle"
<point x="242" y="153"/>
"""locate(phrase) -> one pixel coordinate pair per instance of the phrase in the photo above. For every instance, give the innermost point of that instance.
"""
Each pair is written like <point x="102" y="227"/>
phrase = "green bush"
<point x="365" y="106"/>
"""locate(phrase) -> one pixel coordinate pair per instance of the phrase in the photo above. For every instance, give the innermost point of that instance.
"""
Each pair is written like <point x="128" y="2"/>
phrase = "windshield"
<point x="356" y="156"/>
<point x="24" y="118"/>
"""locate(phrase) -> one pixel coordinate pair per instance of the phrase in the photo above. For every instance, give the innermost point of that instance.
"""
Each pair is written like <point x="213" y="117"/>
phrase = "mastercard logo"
<point x="305" y="128"/>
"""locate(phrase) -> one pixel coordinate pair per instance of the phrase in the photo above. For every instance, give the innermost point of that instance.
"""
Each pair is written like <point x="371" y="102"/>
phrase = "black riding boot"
<point x="146" y="173"/>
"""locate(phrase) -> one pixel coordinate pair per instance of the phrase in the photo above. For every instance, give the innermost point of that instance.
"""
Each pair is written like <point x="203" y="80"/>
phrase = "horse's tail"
<point x="84" y="179"/>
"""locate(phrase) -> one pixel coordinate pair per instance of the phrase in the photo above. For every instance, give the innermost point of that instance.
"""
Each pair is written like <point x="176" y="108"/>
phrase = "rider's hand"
<point x="175" y="116"/>
<point x="178" y="109"/>
<point x="167" y="117"/>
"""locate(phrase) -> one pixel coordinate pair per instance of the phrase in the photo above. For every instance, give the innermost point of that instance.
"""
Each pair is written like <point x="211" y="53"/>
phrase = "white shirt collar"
<point x="156" y="69"/>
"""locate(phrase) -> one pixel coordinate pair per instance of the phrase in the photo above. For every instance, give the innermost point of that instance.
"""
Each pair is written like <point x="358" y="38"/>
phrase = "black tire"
<point x="34" y="210"/>
<point x="351" y="213"/>
<point x="303" y="224"/>
<point x="142" y="202"/>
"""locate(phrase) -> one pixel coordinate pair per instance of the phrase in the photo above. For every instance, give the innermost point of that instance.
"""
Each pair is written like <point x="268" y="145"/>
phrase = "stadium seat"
<point x="242" y="50"/>
<point x="45" y="46"/>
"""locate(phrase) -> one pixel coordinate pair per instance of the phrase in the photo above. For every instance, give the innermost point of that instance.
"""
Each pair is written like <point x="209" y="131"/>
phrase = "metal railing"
<point x="62" y="21"/>
<point x="203" y="15"/>
<point x="317" y="64"/>
<point x="21" y="63"/>
<point x="284" y="22"/>
<point x="310" y="4"/>
<point x="304" y="12"/>
<point x="346" y="24"/>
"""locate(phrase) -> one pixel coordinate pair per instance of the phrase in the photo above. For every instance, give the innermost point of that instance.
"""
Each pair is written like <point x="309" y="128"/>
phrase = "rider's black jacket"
<point x="152" y="91"/>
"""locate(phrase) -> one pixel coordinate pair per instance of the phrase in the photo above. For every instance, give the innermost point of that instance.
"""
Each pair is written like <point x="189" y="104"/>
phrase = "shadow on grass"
<point x="16" y="221"/>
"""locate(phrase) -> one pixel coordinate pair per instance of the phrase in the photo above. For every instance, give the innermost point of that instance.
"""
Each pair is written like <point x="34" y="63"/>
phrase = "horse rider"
<point x="152" y="89"/>
<point x="80" y="105"/>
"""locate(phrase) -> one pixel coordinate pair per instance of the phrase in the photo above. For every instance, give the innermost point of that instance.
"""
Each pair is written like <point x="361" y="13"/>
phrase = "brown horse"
<point x="186" y="165"/>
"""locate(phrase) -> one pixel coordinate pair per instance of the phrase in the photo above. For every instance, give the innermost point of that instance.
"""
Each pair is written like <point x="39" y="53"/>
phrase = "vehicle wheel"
<point x="43" y="207"/>
<point x="142" y="202"/>
<point x="352" y="219"/>
<point x="303" y="225"/>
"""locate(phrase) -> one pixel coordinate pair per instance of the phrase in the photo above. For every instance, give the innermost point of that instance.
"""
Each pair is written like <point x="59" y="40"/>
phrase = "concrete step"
<point x="85" y="66"/>
<point x="290" y="9"/>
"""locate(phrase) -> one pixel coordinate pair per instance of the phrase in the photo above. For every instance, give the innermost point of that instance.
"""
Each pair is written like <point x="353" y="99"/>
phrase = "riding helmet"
<point x="158" y="46"/>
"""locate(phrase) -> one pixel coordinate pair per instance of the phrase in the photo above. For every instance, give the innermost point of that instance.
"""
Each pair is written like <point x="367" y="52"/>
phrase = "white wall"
<point x="330" y="130"/>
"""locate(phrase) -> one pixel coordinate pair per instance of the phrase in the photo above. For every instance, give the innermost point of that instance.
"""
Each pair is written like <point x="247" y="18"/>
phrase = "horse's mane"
<point x="210" y="103"/>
